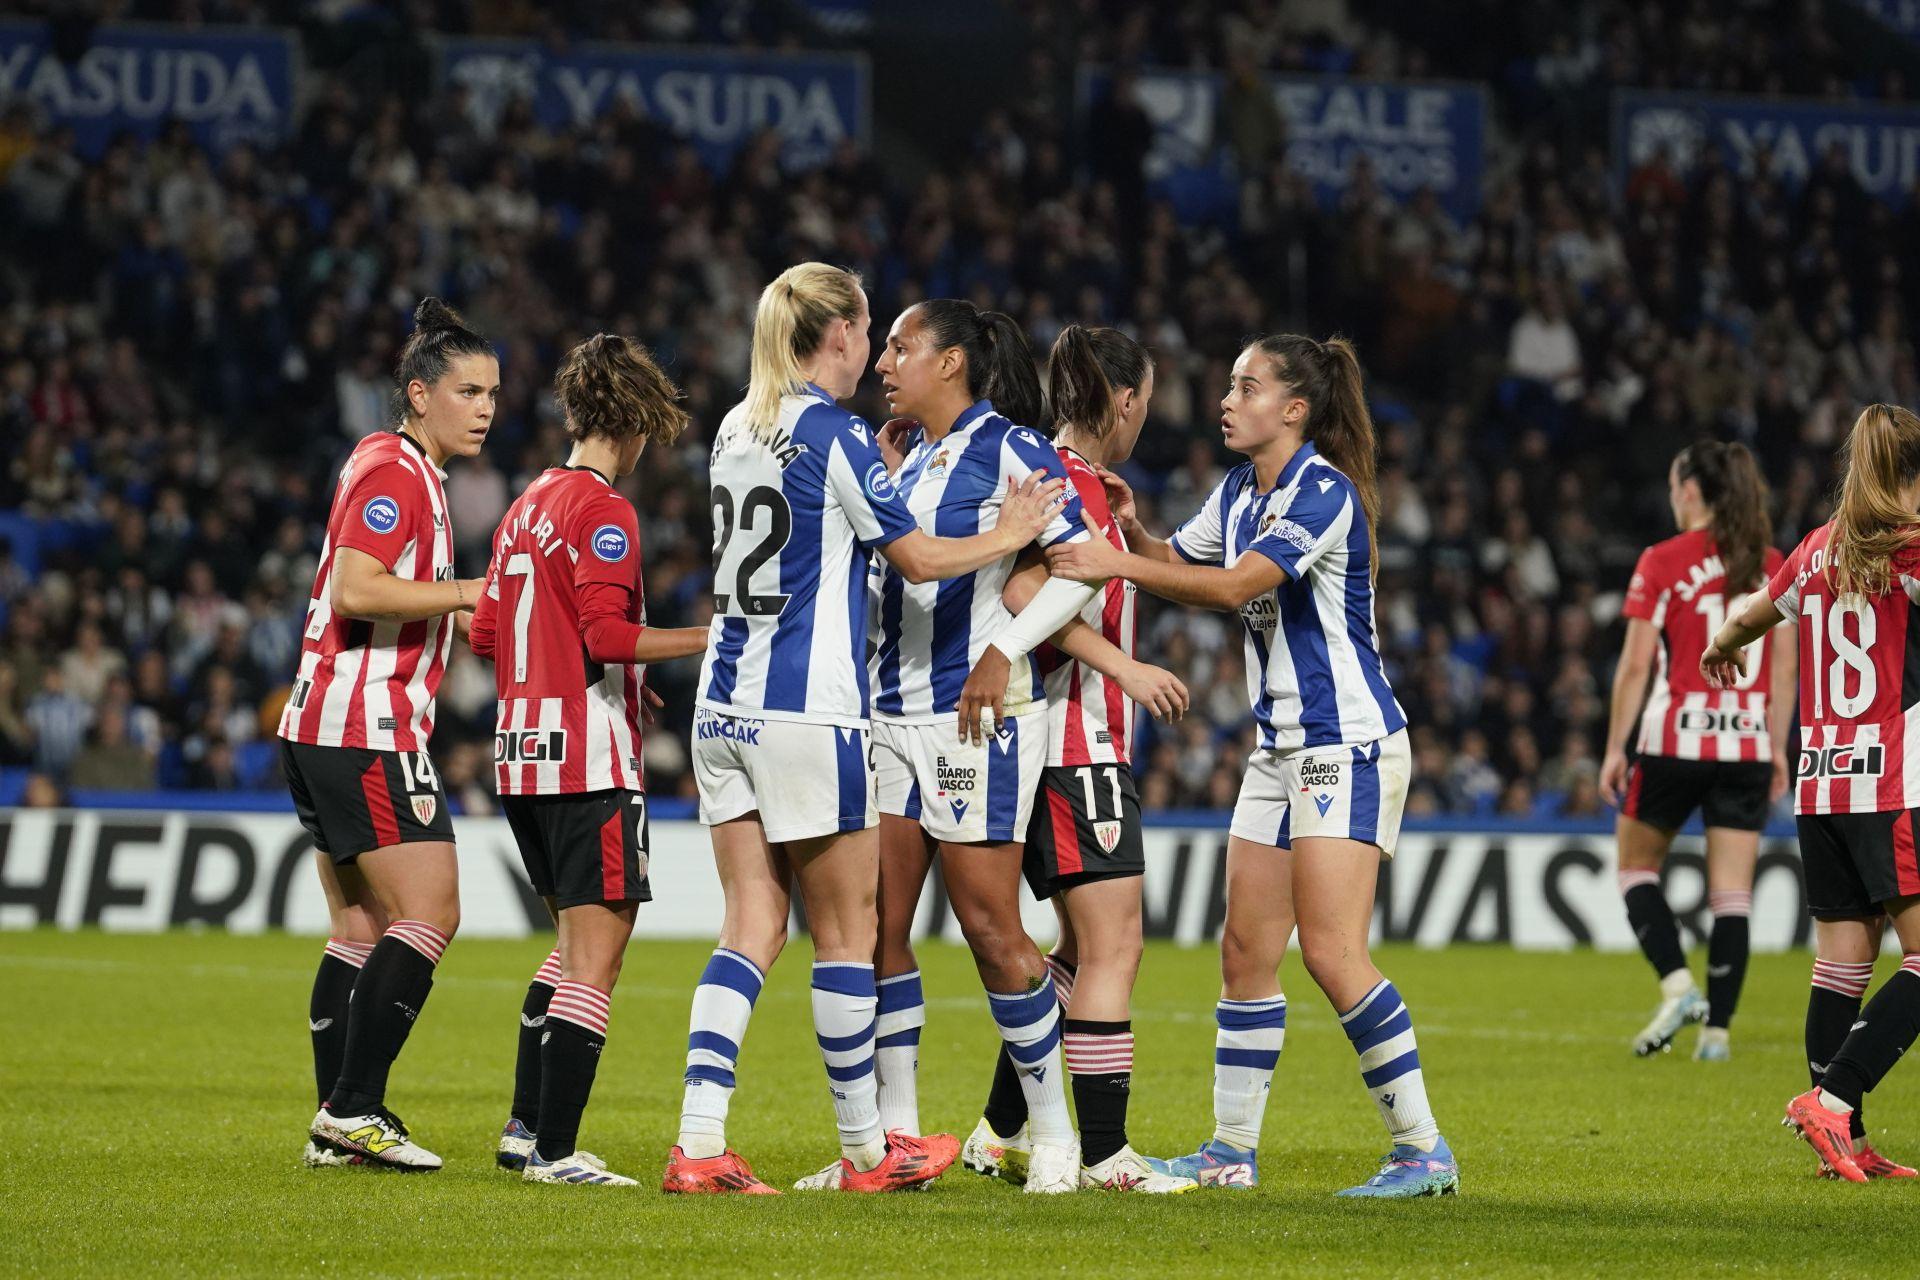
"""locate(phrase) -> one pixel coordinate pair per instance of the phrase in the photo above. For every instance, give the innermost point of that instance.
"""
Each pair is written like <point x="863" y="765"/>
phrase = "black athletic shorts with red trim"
<point x="354" y="799"/>
<point x="587" y="847"/>
<point x="1856" y="861"/>
<point x="1086" y="827"/>
<point x="1663" y="792"/>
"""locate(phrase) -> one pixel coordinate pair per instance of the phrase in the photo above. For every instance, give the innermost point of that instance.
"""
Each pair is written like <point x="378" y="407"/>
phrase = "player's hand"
<point x="1782" y="777"/>
<point x="1092" y="560"/>
<point x="1156" y="689"/>
<point x="469" y="594"/>
<point x="1119" y="498"/>
<point x="892" y="440"/>
<point x="984" y="694"/>
<point x="1613" y="778"/>
<point x="1030" y="507"/>
<point x="1722" y="667"/>
<point x="650" y="702"/>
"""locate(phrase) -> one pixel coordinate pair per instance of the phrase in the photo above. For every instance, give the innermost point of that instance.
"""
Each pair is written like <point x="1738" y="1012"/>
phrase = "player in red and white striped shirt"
<point x="384" y="607"/>
<point x="1852" y="588"/>
<point x="1720" y="751"/>
<point x="1084" y="848"/>
<point x="563" y="617"/>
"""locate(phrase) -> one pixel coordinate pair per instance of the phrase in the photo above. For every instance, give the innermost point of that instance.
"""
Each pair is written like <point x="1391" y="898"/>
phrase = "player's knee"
<point x="1246" y="953"/>
<point x="1329" y="955"/>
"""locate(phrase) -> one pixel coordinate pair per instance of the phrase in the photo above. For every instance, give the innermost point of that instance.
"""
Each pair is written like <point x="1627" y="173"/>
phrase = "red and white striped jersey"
<point x="372" y="684"/>
<point x="1859" y="684"/>
<point x="566" y="723"/>
<point x="1680" y="586"/>
<point x="1088" y="717"/>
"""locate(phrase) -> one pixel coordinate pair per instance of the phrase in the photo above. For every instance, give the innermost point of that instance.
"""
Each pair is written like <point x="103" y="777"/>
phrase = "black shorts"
<point x="1856" y="861"/>
<point x="1663" y="792"/>
<point x="354" y="799"/>
<point x="583" y="848"/>
<point x="1070" y="842"/>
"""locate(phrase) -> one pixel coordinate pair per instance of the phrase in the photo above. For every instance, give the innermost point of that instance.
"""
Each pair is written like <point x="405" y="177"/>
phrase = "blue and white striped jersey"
<point x="793" y="528"/>
<point x="931" y="634"/>
<point x="1313" y="653"/>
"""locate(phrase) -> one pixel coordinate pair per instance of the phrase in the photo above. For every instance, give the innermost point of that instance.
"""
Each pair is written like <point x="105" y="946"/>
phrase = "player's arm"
<point x="481" y="635"/>
<point x="1127" y="515"/>
<point x="1203" y="586"/>
<point x="604" y="579"/>
<point x="1785" y="685"/>
<point x="362" y="587"/>
<point x="1725" y="657"/>
<point x="1155" y="688"/>
<point x="1029" y="507"/>
<point x="1629" y="689"/>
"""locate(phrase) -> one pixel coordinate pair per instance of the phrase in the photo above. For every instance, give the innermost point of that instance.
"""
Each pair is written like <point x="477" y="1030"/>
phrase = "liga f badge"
<point x="424" y="807"/>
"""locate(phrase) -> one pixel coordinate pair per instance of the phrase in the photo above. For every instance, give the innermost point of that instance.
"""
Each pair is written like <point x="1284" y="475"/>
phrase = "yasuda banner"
<point x="1412" y="135"/>
<point x="717" y="99"/>
<point x="229" y="84"/>
<point x="1882" y="144"/>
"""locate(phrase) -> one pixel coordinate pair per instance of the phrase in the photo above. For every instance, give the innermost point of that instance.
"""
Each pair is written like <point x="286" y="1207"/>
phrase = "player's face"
<point x="1258" y="405"/>
<point x="909" y="366"/>
<point x="457" y="411"/>
<point x="859" y="345"/>
<point x="1133" y="416"/>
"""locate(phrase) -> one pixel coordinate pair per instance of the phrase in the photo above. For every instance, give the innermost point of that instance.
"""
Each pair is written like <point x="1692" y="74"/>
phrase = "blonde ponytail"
<point x="1872" y="524"/>
<point x="788" y="325"/>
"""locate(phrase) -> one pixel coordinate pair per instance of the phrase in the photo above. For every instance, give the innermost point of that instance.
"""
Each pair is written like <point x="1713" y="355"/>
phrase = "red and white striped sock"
<point x="1063" y="975"/>
<point x="353" y="953"/>
<point x="1843" y="979"/>
<point x="1094" y="1053"/>
<point x="1100" y="1062"/>
<point x="570" y="1048"/>
<point x="421" y="936"/>
<point x="549" y="972"/>
<point x="581" y="1004"/>
<point x="1630" y="879"/>
<point x="1730" y="902"/>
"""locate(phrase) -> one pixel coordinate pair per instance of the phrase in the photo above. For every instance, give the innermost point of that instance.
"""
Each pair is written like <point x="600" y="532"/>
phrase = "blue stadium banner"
<point x="1882" y="144"/>
<point x="1413" y="135"/>
<point x="1902" y="16"/>
<point x="230" y="84"/>
<point x="715" y="98"/>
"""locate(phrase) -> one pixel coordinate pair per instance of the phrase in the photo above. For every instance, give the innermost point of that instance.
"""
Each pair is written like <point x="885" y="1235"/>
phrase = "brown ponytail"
<point x="1871" y="524"/>
<point x="1327" y="376"/>
<point x="1084" y="371"/>
<point x="1734" y="492"/>
<point x="609" y="386"/>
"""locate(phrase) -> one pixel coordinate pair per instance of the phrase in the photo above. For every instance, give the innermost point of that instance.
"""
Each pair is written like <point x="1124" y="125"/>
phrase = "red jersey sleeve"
<point x="606" y="533"/>
<point x="379" y="510"/>
<point x="480" y="635"/>
<point x="1647" y="592"/>
<point x="1784" y="586"/>
<point x="1093" y="494"/>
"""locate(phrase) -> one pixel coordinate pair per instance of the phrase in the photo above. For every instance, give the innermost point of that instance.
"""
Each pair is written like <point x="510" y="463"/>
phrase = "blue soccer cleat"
<point x="516" y="1144"/>
<point x="1215" y="1164"/>
<point x="1410" y="1172"/>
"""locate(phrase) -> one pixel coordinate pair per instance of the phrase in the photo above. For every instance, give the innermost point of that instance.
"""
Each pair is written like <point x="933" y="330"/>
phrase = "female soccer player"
<point x="1287" y="540"/>
<point x="801" y="498"/>
<point x="1085" y="853"/>
<point x="1851" y="588"/>
<point x="354" y="736"/>
<point x="1725" y="753"/>
<point x="564" y="619"/>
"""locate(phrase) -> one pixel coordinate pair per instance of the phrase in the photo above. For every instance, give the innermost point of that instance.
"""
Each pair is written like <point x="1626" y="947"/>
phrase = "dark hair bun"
<point x="432" y="313"/>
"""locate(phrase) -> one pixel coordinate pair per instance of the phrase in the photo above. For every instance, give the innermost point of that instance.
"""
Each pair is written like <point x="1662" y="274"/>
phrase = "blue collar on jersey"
<point x="970" y="415"/>
<point x="1292" y="469"/>
<point x="822" y="392"/>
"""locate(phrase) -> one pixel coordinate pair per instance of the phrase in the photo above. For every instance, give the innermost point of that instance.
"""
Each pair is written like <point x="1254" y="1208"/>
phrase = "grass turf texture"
<point x="157" y="1091"/>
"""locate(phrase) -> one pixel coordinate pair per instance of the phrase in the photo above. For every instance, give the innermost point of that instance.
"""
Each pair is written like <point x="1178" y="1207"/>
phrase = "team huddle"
<point x="922" y="650"/>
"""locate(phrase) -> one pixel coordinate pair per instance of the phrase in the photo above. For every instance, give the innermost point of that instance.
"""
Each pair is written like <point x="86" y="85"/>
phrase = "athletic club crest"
<point x="424" y="807"/>
<point x="1108" y="834"/>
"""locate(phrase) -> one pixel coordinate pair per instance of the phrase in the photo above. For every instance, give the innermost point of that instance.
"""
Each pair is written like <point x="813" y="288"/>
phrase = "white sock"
<point x="1381" y="1030"/>
<point x="1832" y="1103"/>
<point x="1677" y="984"/>
<point x="1029" y="1022"/>
<point x="722" y="1003"/>
<point x="902" y="1011"/>
<point x="844" y="1006"/>
<point x="1246" y="1048"/>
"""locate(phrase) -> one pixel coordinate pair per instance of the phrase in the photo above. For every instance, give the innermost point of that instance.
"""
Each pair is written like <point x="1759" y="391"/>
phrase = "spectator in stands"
<point x="59" y="723"/>
<point x="110" y="761"/>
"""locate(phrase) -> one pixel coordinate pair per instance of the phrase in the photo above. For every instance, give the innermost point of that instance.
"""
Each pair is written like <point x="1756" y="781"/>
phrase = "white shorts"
<point x="1352" y="793"/>
<point x="962" y="792"/>
<point x="806" y="780"/>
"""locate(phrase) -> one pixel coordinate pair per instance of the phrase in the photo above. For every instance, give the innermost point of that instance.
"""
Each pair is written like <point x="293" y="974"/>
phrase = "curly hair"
<point x="610" y="386"/>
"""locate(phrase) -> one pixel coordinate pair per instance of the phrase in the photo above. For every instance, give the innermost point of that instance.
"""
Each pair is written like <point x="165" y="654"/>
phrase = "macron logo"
<point x="1325" y="485"/>
<point x="959" y="809"/>
<point x="1325" y="803"/>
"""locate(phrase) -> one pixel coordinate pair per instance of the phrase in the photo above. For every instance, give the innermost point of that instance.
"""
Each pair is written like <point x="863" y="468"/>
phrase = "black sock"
<point x="569" y="1056"/>
<point x="388" y="997"/>
<point x="327" y="1019"/>
<point x="526" y="1063"/>
<point x="1006" y="1103"/>
<point x="1830" y="1014"/>
<point x="1886" y="1027"/>
<point x="1727" y="948"/>
<point x="1100" y="1060"/>
<point x="1653" y="925"/>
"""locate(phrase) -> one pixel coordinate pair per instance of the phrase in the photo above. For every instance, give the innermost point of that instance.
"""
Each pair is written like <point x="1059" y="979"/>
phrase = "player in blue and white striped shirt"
<point x="801" y="497"/>
<point x="1287" y="540"/>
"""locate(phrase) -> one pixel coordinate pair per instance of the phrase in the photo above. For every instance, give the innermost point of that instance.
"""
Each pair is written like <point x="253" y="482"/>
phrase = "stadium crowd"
<point x="190" y="342"/>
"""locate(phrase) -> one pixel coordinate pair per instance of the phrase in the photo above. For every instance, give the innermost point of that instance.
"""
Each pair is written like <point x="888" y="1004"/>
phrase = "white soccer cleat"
<point x="992" y="1156"/>
<point x="319" y="1157"/>
<point x="1674" y="1013"/>
<point x="1053" y="1170"/>
<point x="1128" y="1170"/>
<point x="828" y="1179"/>
<point x="378" y="1137"/>
<point x="581" y="1169"/>
<point x="1713" y="1046"/>
<point x="516" y="1144"/>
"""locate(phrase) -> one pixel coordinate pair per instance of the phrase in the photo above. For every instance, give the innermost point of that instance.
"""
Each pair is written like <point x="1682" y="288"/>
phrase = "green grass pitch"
<point x="156" y="1091"/>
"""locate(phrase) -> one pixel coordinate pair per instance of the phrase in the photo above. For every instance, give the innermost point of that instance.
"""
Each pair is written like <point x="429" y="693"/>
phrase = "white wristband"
<point x="1058" y="602"/>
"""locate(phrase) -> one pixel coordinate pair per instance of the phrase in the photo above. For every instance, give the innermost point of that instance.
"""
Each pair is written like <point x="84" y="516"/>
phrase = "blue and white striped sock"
<point x="722" y="1003"/>
<point x="844" y="1007"/>
<point x="1029" y="1022"/>
<point x="1246" y="1049"/>
<point x="1382" y="1033"/>
<point x="896" y="1050"/>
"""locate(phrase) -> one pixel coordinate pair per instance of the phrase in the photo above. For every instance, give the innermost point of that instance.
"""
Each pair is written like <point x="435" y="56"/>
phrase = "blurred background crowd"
<point x="190" y="343"/>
